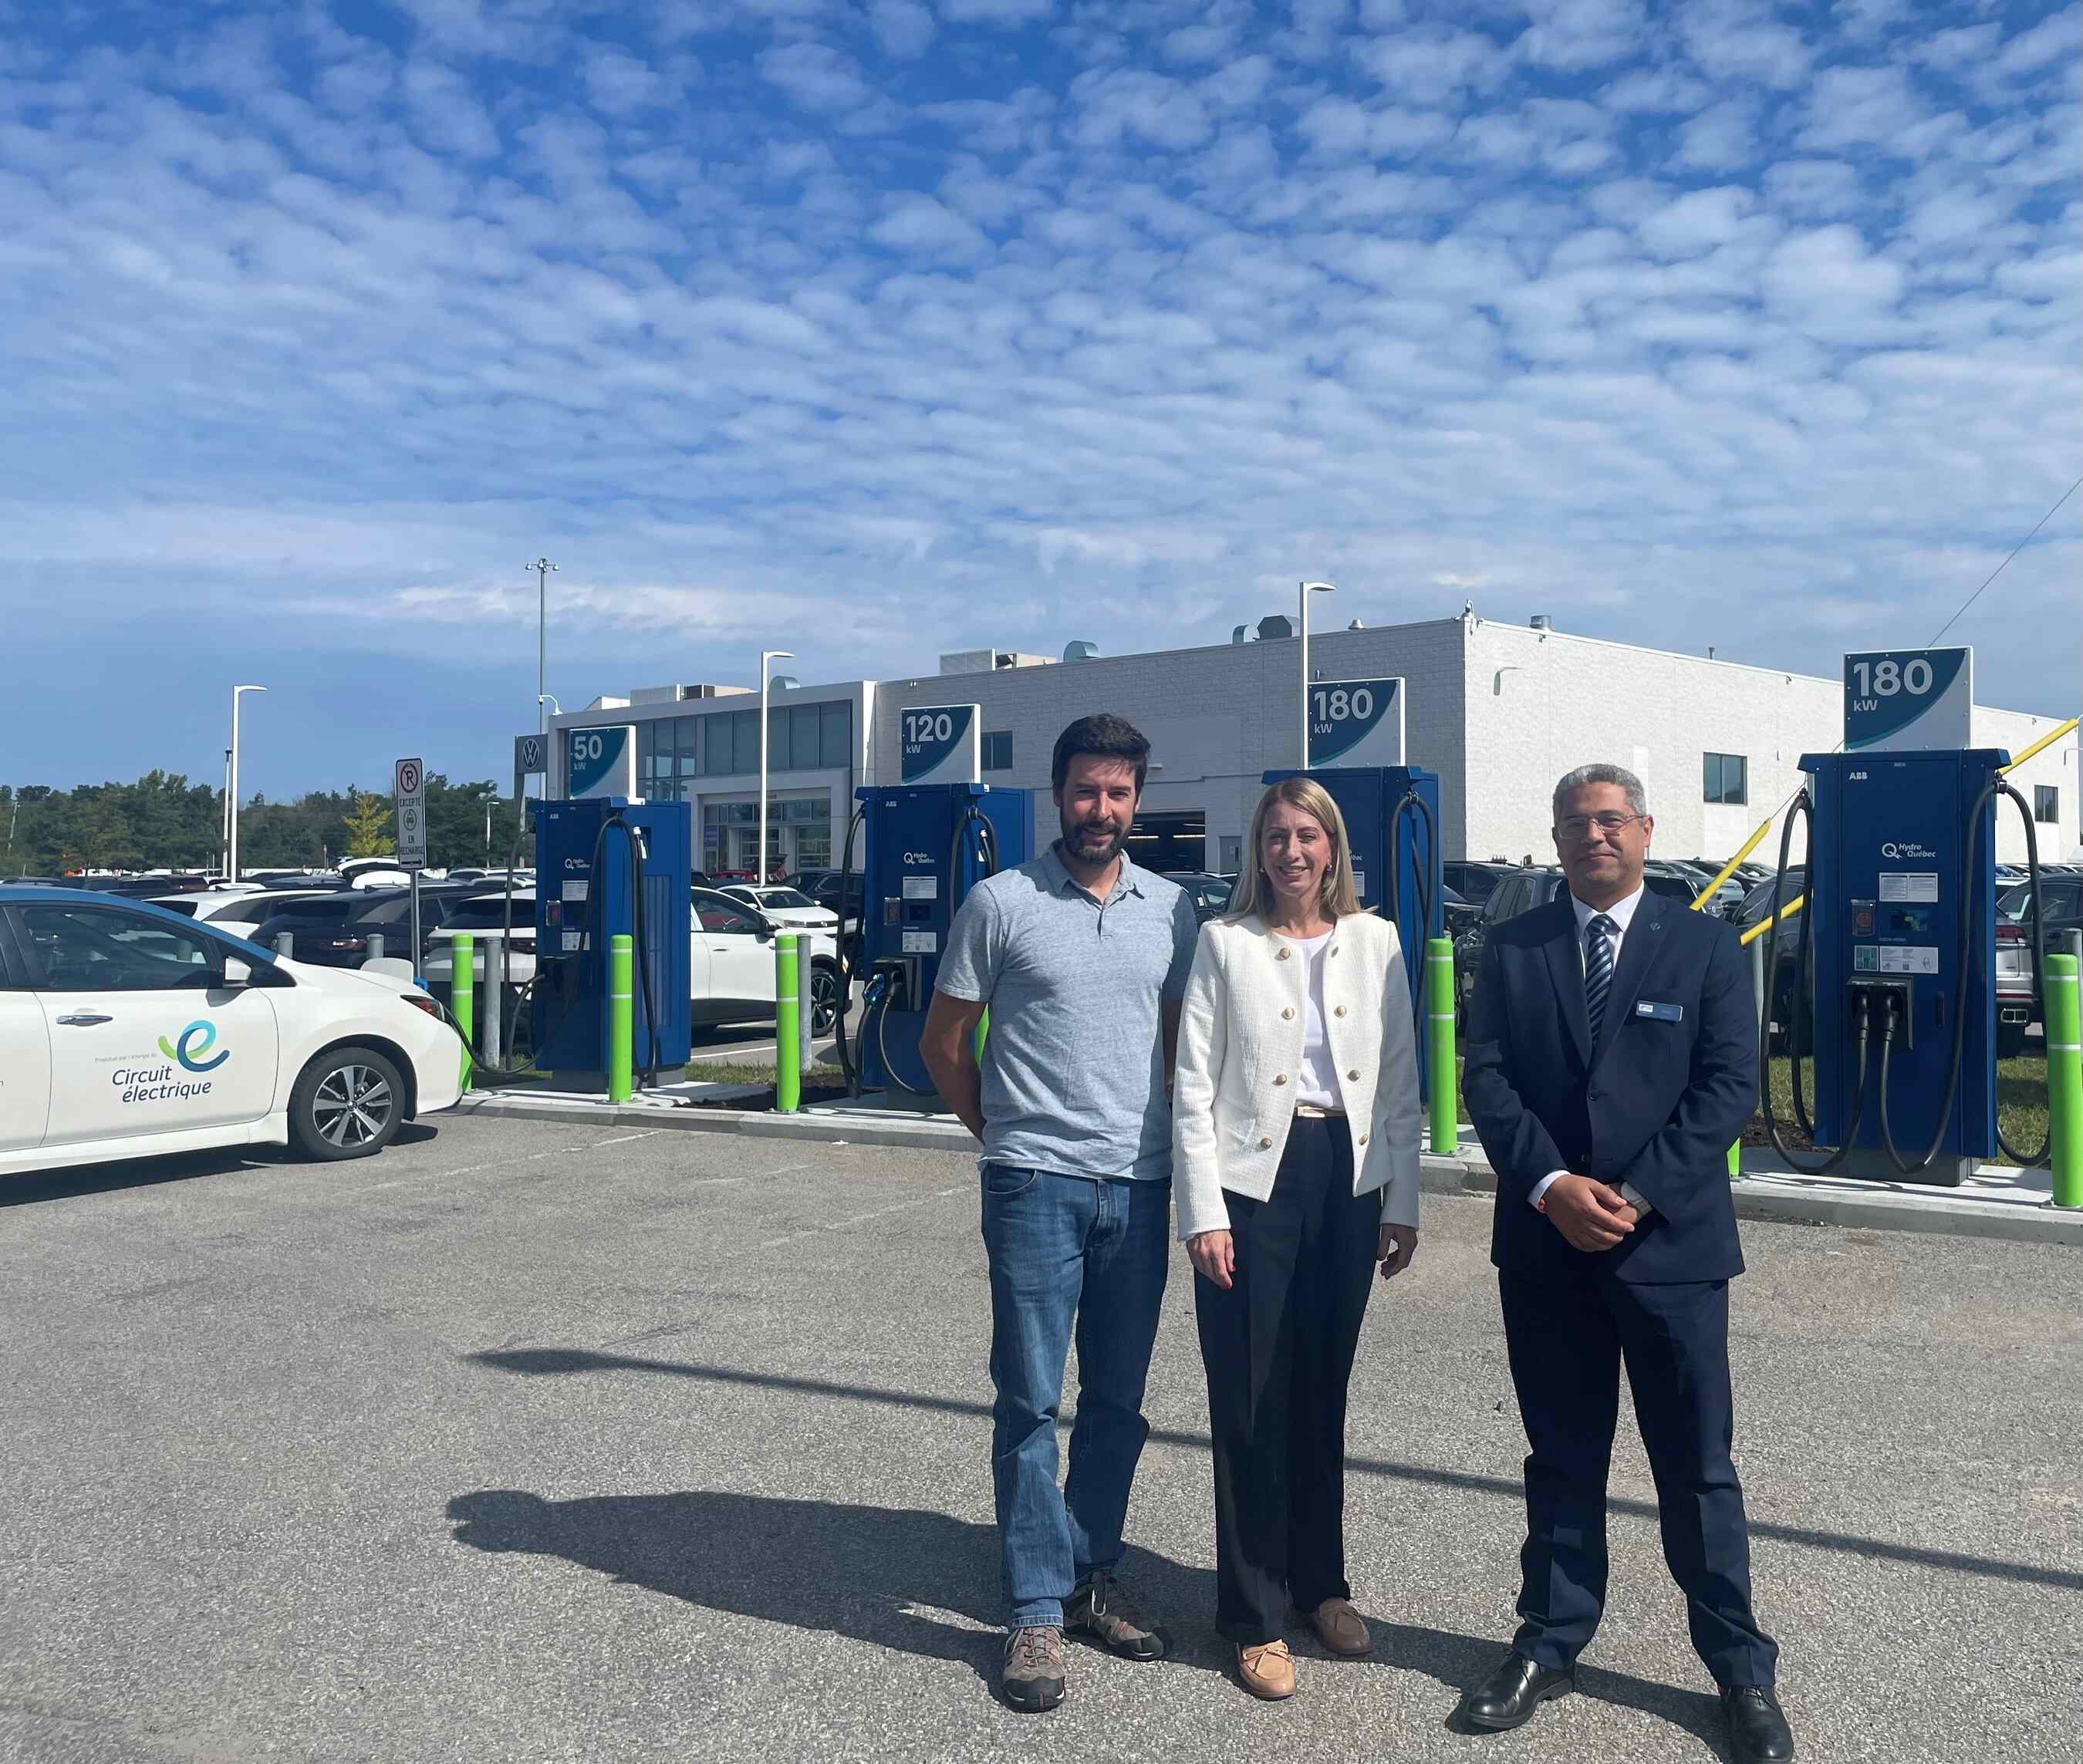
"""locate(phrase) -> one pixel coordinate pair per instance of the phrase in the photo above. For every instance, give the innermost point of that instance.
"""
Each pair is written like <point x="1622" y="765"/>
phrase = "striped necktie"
<point x="1598" y="971"/>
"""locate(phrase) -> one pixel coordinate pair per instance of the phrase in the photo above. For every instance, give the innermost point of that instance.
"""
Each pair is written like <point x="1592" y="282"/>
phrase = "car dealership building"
<point x="1499" y="711"/>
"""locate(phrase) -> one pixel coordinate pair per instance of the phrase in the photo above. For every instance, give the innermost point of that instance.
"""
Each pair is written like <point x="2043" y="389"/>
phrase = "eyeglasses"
<point x="1574" y="828"/>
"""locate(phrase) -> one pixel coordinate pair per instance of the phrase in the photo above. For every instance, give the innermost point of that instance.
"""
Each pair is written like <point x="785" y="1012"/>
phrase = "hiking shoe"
<point x="1031" y="1676"/>
<point x="1102" y="1609"/>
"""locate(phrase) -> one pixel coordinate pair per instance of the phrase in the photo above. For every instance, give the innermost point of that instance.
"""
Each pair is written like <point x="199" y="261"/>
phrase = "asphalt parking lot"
<point x="544" y="1443"/>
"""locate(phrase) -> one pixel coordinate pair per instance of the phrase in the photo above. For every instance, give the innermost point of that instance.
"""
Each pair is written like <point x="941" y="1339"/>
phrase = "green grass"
<point x="2021" y="1104"/>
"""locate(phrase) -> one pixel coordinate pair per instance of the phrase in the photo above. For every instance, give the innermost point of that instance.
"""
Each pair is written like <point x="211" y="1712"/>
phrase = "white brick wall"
<point x="1540" y="703"/>
<point x="1217" y="717"/>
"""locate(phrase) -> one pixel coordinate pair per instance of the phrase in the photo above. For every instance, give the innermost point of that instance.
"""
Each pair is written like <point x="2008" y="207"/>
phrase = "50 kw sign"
<point x="1356" y="722"/>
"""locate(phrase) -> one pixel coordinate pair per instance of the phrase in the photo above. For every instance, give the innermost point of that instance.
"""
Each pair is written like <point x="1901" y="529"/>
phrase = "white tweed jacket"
<point x="1241" y="1048"/>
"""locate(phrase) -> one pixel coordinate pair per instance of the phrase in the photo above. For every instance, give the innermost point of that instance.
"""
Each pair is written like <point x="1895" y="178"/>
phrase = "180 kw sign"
<point x="1356" y="723"/>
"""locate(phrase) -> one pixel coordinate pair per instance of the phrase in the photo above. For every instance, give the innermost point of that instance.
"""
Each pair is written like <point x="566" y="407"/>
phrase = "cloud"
<point x="907" y="331"/>
<point x="918" y="223"/>
<point x="816" y="76"/>
<point x="904" y="28"/>
<point x="1722" y="138"/>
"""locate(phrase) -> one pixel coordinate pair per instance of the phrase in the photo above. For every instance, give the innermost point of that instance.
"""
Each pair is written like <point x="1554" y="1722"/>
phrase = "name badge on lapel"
<point x="1657" y="1013"/>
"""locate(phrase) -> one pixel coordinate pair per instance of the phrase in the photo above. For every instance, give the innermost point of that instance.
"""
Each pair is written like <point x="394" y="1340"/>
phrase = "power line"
<point x="1955" y="619"/>
<point x="1999" y="570"/>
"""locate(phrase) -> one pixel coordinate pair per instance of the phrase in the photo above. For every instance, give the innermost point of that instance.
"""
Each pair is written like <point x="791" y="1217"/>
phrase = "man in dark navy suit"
<point x="1611" y="1062"/>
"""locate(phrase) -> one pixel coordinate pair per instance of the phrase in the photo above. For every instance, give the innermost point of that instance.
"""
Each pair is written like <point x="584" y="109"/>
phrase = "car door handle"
<point x="83" y="1019"/>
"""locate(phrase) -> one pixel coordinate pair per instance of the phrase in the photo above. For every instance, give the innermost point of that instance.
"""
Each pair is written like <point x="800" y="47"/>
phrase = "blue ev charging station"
<point x="1902" y="924"/>
<point x="606" y="866"/>
<point x="1392" y="816"/>
<point x="1897" y="935"/>
<point x="926" y="846"/>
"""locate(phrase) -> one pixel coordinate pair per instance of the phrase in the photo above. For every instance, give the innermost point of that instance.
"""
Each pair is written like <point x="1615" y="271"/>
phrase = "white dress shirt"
<point x="1621" y="913"/>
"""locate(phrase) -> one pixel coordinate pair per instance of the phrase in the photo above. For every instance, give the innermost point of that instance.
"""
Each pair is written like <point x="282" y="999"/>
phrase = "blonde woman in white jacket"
<point x="1295" y="1137"/>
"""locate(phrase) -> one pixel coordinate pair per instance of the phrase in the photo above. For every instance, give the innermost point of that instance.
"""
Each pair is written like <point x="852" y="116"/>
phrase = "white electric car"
<point x="127" y="1030"/>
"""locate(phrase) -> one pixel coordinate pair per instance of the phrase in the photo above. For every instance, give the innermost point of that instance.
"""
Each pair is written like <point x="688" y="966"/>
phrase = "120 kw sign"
<point x="939" y="743"/>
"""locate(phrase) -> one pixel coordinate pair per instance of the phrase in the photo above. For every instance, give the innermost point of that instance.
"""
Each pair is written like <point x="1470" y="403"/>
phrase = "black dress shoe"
<point x="1508" y="1698"/>
<point x="1758" y="1732"/>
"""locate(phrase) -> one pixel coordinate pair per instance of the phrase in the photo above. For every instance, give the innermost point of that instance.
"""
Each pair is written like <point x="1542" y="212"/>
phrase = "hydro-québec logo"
<point x="193" y="1045"/>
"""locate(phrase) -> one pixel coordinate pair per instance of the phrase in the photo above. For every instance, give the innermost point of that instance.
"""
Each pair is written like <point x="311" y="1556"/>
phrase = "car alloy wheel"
<point x="824" y="1000"/>
<point x="349" y="1102"/>
<point x="352" y="1106"/>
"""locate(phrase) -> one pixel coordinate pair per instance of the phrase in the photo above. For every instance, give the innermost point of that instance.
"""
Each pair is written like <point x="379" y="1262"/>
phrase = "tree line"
<point x="163" y="821"/>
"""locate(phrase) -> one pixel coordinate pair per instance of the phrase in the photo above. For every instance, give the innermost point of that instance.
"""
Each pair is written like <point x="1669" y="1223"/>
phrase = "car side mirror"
<point x="236" y="971"/>
<point x="764" y="933"/>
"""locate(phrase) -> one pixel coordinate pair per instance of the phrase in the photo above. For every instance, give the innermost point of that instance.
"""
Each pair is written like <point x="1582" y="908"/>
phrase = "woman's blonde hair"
<point x="1254" y="892"/>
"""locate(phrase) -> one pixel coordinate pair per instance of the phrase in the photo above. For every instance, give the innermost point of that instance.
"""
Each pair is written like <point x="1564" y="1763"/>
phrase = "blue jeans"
<point x="1065" y="1250"/>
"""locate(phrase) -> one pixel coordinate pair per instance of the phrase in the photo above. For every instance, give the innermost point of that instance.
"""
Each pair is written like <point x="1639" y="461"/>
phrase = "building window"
<point x="836" y="734"/>
<point x="1727" y="778"/>
<point x="2047" y="805"/>
<point x="997" y="750"/>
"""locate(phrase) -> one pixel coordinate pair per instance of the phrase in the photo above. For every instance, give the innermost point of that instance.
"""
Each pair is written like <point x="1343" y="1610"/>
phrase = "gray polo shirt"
<point x="1074" y="1072"/>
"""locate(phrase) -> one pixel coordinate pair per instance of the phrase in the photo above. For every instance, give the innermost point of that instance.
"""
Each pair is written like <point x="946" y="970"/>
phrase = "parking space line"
<point x="863" y="1218"/>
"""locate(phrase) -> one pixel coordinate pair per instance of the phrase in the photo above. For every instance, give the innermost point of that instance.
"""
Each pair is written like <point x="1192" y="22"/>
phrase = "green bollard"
<point x="1736" y="1159"/>
<point x="982" y="1036"/>
<point x="621" y="1018"/>
<point x="787" y="1027"/>
<point x="2059" y="1017"/>
<point x="462" y="993"/>
<point x="1440" y="1016"/>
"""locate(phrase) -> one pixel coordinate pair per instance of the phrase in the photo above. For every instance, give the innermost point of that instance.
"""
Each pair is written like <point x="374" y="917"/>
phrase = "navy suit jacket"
<point x="1658" y="1103"/>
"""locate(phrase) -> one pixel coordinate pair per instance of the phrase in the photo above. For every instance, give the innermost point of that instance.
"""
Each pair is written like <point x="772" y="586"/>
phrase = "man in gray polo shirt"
<point x="1082" y="959"/>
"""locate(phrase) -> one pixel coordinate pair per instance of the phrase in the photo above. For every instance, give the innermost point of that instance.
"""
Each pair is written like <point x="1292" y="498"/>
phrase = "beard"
<point x="1091" y="846"/>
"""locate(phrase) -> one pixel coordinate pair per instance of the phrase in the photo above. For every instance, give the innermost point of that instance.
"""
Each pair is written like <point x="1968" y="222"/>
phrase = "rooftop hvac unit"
<point x="1079" y="650"/>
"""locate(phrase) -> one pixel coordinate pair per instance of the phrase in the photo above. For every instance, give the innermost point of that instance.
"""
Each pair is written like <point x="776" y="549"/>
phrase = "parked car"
<point x="1516" y="890"/>
<point x="1456" y="910"/>
<point x="788" y="908"/>
<point x="1727" y="897"/>
<point x="730" y="956"/>
<point x="733" y="966"/>
<point x="136" y="888"/>
<point x="240" y="911"/>
<point x="332" y="931"/>
<point x="1208" y="892"/>
<point x="2017" y="1006"/>
<point x="1473" y="880"/>
<point x="838" y="895"/>
<point x="127" y="1030"/>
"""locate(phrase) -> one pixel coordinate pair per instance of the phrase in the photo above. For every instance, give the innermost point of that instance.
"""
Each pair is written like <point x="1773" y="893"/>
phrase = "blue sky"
<point x="874" y="329"/>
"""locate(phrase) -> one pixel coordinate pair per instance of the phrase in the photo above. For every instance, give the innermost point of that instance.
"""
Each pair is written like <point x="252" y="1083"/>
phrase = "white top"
<point x="1240" y="1036"/>
<point x="1317" y="1076"/>
<point x="1621" y="913"/>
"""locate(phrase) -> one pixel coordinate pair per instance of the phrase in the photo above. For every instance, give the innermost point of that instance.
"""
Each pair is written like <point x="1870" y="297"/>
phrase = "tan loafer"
<point x="1267" y="1672"/>
<point x="1341" y="1629"/>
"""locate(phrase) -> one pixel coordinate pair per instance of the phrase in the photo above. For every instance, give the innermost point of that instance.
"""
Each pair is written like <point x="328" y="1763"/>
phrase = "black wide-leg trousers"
<point x="1278" y="1348"/>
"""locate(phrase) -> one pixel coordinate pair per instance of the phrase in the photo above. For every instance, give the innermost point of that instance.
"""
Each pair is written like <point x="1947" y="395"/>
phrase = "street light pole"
<point x="1306" y="590"/>
<point x="541" y="566"/>
<point x="224" y="822"/>
<point x="766" y="656"/>
<point x="231" y="862"/>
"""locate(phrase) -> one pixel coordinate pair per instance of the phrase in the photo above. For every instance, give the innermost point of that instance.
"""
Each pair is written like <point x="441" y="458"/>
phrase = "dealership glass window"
<point x="2046" y="804"/>
<point x="997" y="750"/>
<point x="1727" y="778"/>
<point x="835" y="733"/>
